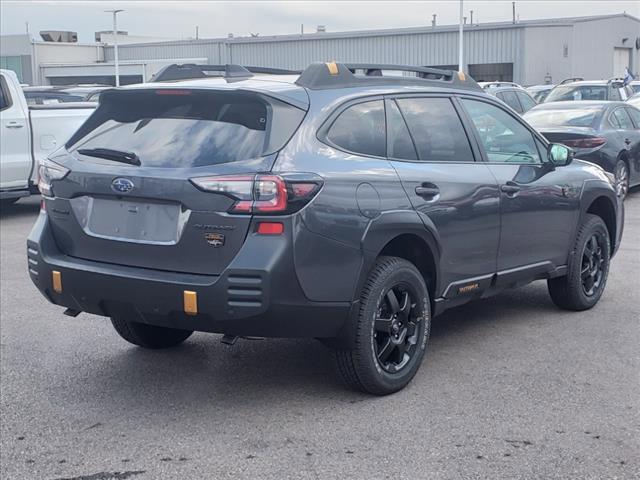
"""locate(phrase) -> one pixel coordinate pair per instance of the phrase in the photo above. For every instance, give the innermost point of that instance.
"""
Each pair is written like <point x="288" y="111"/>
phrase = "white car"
<point x="28" y="134"/>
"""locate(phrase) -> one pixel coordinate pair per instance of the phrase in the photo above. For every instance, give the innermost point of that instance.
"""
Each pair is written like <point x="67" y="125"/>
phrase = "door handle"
<point x="426" y="192"/>
<point x="510" y="188"/>
<point x="14" y="125"/>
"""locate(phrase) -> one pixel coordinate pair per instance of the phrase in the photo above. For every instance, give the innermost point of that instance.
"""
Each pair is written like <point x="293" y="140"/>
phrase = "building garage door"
<point x="492" y="72"/>
<point x="621" y="60"/>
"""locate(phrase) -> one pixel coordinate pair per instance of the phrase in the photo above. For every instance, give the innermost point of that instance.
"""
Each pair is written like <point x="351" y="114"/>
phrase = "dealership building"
<point x="527" y="52"/>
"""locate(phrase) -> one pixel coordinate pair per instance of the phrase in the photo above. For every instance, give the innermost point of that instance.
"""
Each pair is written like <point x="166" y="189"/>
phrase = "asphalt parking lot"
<point x="511" y="387"/>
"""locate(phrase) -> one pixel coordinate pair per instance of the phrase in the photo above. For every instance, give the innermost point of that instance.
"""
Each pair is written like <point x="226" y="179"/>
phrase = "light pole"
<point x="115" y="44"/>
<point x="460" y="45"/>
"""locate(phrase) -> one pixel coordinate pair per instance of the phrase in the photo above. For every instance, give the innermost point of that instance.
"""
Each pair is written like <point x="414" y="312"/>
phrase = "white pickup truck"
<point x="30" y="133"/>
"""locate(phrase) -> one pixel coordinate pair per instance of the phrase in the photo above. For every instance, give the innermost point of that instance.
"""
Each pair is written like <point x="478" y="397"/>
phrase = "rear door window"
<point x="620" y="119"/>
<point x="510" y="99"/>
<point x="634" y="113"/>
<point x="5" y="99"/>
<point x="526" y="101"/>
<point x="436" y="129"/>
<point x="188" y="128"/>
<point x="360" y="129"/>
<point x="399" y="142"/>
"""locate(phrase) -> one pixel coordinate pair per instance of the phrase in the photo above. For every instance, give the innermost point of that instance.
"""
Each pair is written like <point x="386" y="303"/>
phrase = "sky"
<point x="178" y="18"/>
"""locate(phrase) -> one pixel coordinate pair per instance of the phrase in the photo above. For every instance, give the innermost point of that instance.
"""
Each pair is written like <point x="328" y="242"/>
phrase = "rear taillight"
<point x="588" y="142"/>
<point x="263" y="193"/>
<point x="49" y="171"/>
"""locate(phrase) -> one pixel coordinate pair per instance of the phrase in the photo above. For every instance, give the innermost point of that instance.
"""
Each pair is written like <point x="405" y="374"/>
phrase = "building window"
<point x="13" y="63"/>
<point x="492" y="72"/>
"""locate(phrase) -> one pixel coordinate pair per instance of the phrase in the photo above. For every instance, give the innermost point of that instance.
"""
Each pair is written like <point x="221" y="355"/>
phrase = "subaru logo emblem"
<point x="122" y="185"/>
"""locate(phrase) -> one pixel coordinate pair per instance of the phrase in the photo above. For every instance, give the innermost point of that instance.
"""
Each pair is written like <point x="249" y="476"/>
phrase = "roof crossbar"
<point x="230" y="71"/>
<point x="319" y="76"/>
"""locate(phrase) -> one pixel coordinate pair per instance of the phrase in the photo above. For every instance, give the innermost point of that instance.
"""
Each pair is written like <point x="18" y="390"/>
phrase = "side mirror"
<point x="560" y="155"/>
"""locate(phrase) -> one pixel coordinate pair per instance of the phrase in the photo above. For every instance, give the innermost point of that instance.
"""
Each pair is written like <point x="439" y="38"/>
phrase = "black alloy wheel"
<point x="396" y="332"/>
<point x="592" y="269"/>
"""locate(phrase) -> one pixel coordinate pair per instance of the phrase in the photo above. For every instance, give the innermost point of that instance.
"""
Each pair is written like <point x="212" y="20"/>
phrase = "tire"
<point x="622" y="178"/>
<point x="149" y="336"/>
<point x="388" y="349"/>
<point x="588" y="268"/>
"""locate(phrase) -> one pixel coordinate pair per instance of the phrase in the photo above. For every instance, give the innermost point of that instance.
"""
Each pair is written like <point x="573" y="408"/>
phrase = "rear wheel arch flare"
<point x="603" y="207"/>
<point x="416" y="250"/>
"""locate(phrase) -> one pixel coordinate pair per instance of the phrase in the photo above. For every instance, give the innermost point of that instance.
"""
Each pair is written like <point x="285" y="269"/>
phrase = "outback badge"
<point x="214" y="239"/>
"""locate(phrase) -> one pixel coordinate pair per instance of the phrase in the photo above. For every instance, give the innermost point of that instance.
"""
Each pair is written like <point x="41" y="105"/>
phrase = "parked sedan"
<point x="516" y="97"/>
<point x="604" y="133"/>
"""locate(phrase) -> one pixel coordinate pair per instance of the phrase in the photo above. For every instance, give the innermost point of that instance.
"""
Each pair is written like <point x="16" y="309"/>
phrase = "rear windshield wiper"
<point x="115" y="155"/>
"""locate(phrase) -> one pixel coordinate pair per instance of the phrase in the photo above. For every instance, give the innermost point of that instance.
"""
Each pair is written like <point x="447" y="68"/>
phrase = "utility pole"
<point x="115" y="43"/>
<point x="460" y="44"/>
<point x="513" y="12"/>
<point x="197" y="28"/>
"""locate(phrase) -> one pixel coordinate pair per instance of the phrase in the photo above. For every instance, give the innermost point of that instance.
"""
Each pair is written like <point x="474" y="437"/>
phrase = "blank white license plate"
<point x="133" y="221"/>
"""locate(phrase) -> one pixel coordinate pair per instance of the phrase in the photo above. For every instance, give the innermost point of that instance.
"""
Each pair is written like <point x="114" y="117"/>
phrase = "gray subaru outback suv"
<point x="343" y="204"/>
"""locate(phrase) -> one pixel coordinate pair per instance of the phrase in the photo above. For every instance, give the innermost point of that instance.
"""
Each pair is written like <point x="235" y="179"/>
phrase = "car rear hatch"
<point x="137" y="190"/>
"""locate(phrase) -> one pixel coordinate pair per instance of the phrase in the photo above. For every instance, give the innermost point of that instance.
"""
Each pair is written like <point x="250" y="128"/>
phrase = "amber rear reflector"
<point x="56" y="279"/>
<point x="333" y="68"/>
<point x="190" y="300"/>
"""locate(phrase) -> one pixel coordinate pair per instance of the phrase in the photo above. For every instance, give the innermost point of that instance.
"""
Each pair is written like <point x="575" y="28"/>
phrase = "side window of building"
<point x="622" y="120"/>
<point x="436" y="129"/>
<point x="360" y="129"/>
<point x="510" y="99"/>
<point x="504" y="138"/>
<point x="5" y="99"/>
<point x="526" y="101"/>
<point x="634" y="113"/>
<point x="399" y="142"/>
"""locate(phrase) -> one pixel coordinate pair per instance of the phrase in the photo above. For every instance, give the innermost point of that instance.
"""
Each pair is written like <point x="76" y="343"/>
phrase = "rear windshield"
<point x="188" y="128"/>
<point x="572" y="117"/>
<point x="577" y="92"/>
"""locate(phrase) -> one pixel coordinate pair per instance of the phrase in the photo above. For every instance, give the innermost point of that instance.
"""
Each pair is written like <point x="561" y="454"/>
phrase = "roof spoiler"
<point x="616" y="81"/>
<point x="319" y="76"/>
<point x="570" y="80"/>
<point x="188" y="71"/>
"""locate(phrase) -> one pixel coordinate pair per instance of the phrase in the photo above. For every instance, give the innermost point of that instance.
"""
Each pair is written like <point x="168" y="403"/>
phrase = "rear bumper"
<point x="258" y="294"/>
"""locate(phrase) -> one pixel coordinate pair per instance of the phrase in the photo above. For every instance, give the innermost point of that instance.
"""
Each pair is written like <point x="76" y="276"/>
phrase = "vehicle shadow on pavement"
<point x="205" y="373"/>
<point x="22" y="208"/>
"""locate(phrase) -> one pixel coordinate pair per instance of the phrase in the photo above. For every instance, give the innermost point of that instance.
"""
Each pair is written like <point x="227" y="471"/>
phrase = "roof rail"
<point x="319" y="76"/>
<point x="230" y="71"/>
<point x="570" y="80"/>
